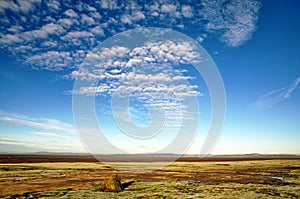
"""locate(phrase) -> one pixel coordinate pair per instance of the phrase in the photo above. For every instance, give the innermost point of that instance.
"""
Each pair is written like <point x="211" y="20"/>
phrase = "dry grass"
<point x="246" y="179"/>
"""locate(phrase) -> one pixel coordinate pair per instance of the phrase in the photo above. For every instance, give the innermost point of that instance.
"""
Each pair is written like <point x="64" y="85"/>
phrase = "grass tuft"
<point x="113" y="184"/>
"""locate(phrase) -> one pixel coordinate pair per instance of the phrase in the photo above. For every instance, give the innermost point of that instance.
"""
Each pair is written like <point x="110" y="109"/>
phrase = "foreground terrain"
<point x="279" y="178"/>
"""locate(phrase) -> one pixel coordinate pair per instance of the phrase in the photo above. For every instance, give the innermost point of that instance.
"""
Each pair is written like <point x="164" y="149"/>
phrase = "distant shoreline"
<point x="138" y="158"/>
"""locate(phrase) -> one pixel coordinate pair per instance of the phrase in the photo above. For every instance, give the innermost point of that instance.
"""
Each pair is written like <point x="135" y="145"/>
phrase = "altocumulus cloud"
<point x="57" y="35"/>
<point x="119" y="69"/>
<point x="146" y="73"/>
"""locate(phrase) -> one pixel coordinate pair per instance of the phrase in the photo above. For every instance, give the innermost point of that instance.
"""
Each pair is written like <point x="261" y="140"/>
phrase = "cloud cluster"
<point x="57" y="35"/>
<point x="144" y="71"/>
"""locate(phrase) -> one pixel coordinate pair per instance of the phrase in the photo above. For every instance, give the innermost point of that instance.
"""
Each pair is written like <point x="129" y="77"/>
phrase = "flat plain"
<point x="75" y="177"/>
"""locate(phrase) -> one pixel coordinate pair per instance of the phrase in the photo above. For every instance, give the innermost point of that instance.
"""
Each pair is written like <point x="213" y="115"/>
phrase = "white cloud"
<point x="126" y="19"/>
<point x="66" y="22"/>
<point x="237" y="18"/>
<point x="11" y="39"/>
<point x="25" y="6"/>
<point x="91" y="8"/>
<point x="169" y="8"/>
<point x="49" y="44"/>
<point x="96" y="16"/>
<point x="71" y="13"/>
<point x="91" y="90"/>
<point x="52" y="28"/>
<point x="114" y="52"/>
<point x="15" y="29"/>
<point x="34" y="34"/>
<point x="54" y="5"/>
<point x="98" y="31"/>
<point x="52" y="60"/>
<point x="167" y="51"/>
<point x="6" y="4"/>
<point x="24" y="49"/>
<point x="109" y="4"/>
<point x="83" y="74"/>
<point x="201" y="38"/>
<point x="18" y="6"/>
<point x="77" y="34"/>
<point x="187" y="11"/>
<point x="87" y="20"/>
<point x="138" y="16"/>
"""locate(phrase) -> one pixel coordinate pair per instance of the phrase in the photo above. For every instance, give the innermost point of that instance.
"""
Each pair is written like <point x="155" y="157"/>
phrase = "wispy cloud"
<point x="25" y="145"/>
<point x="49" y="134"/>
<point x="274" y="97"/>
<point x="41" y="123"/>
<point x="42" y="134"/>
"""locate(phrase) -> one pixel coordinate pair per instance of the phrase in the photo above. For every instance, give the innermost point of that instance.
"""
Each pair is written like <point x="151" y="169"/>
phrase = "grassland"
<point x="215" y="179"/>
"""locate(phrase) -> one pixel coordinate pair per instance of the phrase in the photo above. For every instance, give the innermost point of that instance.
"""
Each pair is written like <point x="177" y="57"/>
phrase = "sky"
<point x="126" y="76"/>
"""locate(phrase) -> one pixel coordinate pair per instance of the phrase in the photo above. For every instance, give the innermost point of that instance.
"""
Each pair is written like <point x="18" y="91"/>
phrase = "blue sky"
<point x="44" y="46"/>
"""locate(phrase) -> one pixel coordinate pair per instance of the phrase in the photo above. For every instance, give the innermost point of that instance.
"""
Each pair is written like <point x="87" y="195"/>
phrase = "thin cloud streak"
<point x="43" y="123"/>
<point x="44" y="134"/>
<point x="274" y="97"/>
<point x="49" y="134"/>
<point x="28" y="145"/>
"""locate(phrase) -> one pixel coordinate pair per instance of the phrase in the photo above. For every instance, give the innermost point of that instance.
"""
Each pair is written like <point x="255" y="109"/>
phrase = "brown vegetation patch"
<point x="41" y="177"/>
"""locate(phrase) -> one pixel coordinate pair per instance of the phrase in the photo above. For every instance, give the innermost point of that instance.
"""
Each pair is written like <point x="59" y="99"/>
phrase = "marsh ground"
<point x="213" y="179"/>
